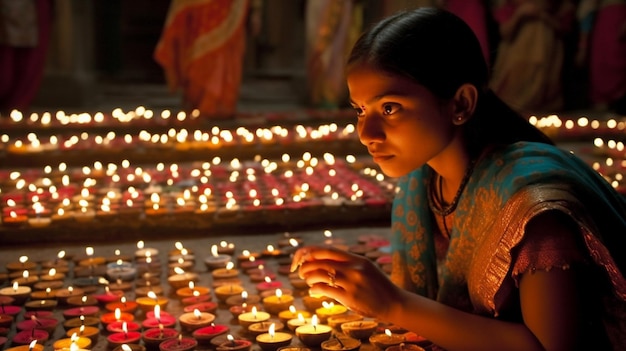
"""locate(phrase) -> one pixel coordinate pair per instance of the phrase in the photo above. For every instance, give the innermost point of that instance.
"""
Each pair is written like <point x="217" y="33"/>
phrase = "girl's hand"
<point x="352" y="280"/>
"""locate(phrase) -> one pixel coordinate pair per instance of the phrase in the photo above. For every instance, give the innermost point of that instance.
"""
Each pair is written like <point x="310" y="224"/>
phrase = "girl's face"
<point x="403" y="125"/>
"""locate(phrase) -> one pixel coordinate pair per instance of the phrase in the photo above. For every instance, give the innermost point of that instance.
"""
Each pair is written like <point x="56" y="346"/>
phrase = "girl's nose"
<point x="370" y="130"/>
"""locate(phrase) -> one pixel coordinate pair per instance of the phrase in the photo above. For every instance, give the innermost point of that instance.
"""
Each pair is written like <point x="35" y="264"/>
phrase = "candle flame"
<point x="268" y="279"/>
<point x="388" y="332"/>
<point x="140" y="244"/>
<point x="23" y="259"/>
<point x="15" y="286"/>
<point x="157" y="312"/>
<point x="314" y="320"/>
<point x="25" y="274"/>
<point x="292" y="309"/>
<point x="179" y="270"/>
<point x="32" y="344"/>
<point x="271" y="330"/>
<point x="125" y="347"/>
<point x="197" y="313"/>
<point x="89" y="250"/>
<point x="52" y="272"/>
<point x="279" y="293"/>
<point x="230" y="265"/>
<point x="192" y="285"/>
<point x="61" y="254"/>
<point x="152" y="295"/>
<point x="118" y="314"/>
<point x="124" y="327"/>
<point x="300" y="318"/>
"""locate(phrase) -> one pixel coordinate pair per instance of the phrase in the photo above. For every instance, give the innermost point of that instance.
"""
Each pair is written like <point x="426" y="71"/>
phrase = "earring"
<point x="458" y="120"/>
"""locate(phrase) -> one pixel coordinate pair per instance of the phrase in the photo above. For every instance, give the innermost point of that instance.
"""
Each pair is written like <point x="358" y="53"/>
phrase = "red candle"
<point x="205" y="334"/>
<point x="116" y="316"/>
<point x="109" y="296"/>
<point x="156" y="319"/>
<point x="269" y="284"/>
<point x="6" y="320"/>
<point x="178" y="344"/>
<point x="210" y="307"/>
<point x="117" y="326"/>
<point x="122" y="305"/>
<point x="154" y="336"/>
<point x="192" y="300"/>
<point x="124" y="337"/>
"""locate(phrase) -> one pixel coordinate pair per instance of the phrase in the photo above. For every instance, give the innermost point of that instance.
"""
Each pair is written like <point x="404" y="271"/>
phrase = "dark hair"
<point x="439" y="50"/>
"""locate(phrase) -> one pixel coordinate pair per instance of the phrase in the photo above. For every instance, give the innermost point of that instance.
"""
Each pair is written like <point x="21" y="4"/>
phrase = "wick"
<point x="339" y="341"/>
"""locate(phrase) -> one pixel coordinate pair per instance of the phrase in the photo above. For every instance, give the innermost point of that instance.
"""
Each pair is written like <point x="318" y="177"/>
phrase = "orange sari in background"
<point x="201" y="50"/>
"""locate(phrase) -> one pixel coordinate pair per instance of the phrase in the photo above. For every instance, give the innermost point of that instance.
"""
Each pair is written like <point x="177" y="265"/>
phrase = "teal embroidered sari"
<point x="508" y="187"/>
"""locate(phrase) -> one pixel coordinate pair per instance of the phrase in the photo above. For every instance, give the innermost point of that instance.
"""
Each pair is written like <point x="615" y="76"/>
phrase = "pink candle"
<point x="25" y="337"/>
<point x="47" y="324"/>
<point x="210" y="307"/>
<point x="81" y="311"/>
<point x="10" y="310"/>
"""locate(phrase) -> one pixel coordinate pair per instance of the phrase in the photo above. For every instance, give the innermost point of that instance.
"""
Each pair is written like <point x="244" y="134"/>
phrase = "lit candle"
<point x="227" y="272"/>
<point x="314" y="334"/>
<point x="157" y="318"/>
<point x="273" y="340"/>
<point x="232" y="344"/>
<point x="254" y="316"/>
<point x="291" y="313"/>
<point x="191" y="321"/>
<point x="216" y="260"/>
<point x="147" y="303"/>
<point x="205" y="334"/>
<point x="19" y="293"/>
<point x="153" y="337"/>
<point x="277" y="303"/>
<point x="116" y="316"/>
<point x="124" y="337"/>
<point x="74" y="341"/>
<point x="385" y="340"/>
<point x="181" y="278"/>
<point x="224" y="291"/>
<point x="268" y="284"/>
<point x="329" y="309"/>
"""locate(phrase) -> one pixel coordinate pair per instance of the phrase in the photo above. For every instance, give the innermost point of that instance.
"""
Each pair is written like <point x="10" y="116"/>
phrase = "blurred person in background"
<point x="25" y="28"/>
<point x="202" y="50"/>
<point x="602" y="50"/>
<point x="527" y="72"/>
<point x="332" y="26"/>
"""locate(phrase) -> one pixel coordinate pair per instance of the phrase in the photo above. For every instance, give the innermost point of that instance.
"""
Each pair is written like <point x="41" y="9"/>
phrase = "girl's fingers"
<point x="311" y="253"/>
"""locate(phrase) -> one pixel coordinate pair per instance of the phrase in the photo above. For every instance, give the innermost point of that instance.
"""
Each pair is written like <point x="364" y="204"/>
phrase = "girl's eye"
<point x="389" y="108"/>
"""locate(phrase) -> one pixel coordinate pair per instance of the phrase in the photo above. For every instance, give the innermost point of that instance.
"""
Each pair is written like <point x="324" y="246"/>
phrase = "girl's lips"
<point x="381" y="158"/>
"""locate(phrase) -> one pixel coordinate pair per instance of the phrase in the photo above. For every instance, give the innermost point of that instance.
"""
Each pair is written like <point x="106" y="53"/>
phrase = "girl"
<point x="501" y="241"/>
